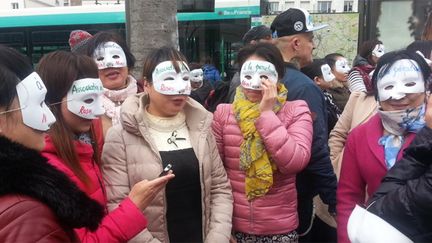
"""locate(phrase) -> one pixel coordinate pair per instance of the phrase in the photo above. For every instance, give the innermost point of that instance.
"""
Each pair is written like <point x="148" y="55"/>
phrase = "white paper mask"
<point x="253" y="71"/>
<point x="31" y="95"/>
<point x="109" y="54"/>
<point x="403" y="77"/>
<point x="379" y="50"/>
<point x="168" y="82"/>
<point x="327" y="74"/>
<point x="342" y="66"/>
<point x="196" y="76"/>
<point x="84" y="98"/>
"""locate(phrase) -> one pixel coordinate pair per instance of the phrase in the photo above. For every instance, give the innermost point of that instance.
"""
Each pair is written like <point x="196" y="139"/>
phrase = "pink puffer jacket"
<point x="287" y="137"/>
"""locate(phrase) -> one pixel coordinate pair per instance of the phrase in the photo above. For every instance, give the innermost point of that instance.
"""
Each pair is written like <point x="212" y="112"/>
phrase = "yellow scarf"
<point x="254" y="159"/>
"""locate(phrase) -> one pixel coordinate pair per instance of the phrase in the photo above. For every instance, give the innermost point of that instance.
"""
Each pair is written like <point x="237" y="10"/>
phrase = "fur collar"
<point x="24" y="171"/>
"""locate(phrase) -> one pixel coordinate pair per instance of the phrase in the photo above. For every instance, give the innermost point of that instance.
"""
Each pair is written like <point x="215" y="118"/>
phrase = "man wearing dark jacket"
<point x="293" y="35"/>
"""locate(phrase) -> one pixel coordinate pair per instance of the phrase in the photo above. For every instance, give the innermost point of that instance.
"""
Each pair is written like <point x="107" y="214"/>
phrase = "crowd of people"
<point x="294" y="149"/>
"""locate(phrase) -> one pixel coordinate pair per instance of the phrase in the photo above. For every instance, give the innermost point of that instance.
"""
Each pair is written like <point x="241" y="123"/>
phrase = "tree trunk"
<point x="150" y="24"/>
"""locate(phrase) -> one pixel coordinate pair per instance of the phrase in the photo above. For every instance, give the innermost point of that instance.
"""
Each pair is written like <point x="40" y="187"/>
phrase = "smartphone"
<point x="165" y="170"/>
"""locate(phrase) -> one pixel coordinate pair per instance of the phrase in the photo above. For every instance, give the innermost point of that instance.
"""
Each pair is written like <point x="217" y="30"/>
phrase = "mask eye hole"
<point x="116" y="56"/>
<point x="389" y="87"/>
<point x="248" y="77"/>
<point x="410" y="84"/>
<point x="169" y="79"/>
<point x="186" y="78"/>
<point x="88" y="101"/>
<point x="100" y="59"/>
<point x="263" y="77"/>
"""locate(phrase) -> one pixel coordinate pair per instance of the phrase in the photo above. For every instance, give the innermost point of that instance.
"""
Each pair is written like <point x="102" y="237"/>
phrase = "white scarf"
<point x="112" y="99"/>
<point x="397" y="123"/>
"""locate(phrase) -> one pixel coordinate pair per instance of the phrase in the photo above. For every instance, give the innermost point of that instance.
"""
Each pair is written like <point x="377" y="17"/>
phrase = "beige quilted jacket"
<point x="129" y="156"/>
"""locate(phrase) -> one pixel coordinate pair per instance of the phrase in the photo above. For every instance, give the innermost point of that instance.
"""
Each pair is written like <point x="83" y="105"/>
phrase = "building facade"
<point x="20" y="4"/>
<point x="314" y="6"/>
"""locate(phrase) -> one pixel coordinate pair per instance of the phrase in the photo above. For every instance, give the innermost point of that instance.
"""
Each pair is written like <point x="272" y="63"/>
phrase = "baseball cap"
<point x="256" y="33"/>
<point x="293" y="21"/>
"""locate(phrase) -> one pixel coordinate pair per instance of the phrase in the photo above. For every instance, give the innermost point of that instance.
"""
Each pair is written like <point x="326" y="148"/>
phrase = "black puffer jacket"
<point x="404" y="198"/>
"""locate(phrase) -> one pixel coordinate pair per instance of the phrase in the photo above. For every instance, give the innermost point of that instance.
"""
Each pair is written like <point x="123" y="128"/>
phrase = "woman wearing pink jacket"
<point x="74" y="95"/>
<point x="264" y="141"/>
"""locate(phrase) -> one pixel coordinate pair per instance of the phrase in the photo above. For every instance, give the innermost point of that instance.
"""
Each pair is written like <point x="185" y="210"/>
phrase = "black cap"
<point x="257" y="33"/>
<point x="293" y="21"/>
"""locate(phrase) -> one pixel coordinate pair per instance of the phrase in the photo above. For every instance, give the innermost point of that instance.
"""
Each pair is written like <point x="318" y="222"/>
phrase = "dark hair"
<point x="366" y="49"/>
<point x="388" y="59"/>
<point x="194" y="65"/>
<point x="424" y="46"/>
<point x="14" y="67"/>
<point x="427" y="29"/>
<point x="331" y="59"/>
<point x="59" y="70"/>
<point x="106" y="36"/>
<point x="159" y="55"/>
<point x="314" y="69"/>
<point x="207" y="60"/>
<point x="266" y="51"/>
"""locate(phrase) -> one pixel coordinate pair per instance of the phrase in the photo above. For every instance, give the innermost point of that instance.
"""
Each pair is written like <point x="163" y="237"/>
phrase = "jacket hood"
<point x="132" y="114"/>
<point x="360" y="61"/>
<point x="24" y="171"/>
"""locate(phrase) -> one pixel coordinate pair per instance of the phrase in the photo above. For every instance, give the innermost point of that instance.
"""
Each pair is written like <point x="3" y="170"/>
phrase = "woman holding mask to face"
<point x="263" y="141"/>
<point x="115" y="63"/>
<point x="74" y="93"/>
<point x="165" y="127"/>
<point x="374" y="147"/>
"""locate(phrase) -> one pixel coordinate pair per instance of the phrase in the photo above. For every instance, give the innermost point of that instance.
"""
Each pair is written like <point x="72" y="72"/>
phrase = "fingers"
<point x="163" y="179"/>
<point x="269" y="88"/>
